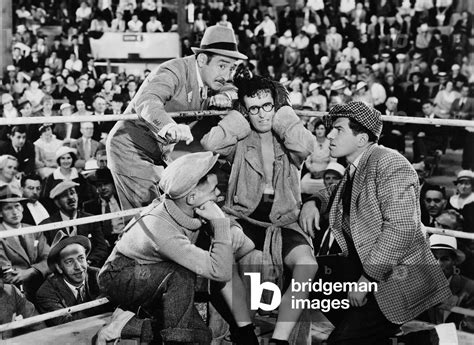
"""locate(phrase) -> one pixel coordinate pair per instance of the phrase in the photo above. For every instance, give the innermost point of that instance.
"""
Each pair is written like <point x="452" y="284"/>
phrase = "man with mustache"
<point x="66" y="200"/>
<point x="135" y="149"/>
<point x="73" y="282"/>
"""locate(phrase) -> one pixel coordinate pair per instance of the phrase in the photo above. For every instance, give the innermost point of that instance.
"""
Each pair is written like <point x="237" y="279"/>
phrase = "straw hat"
<point x="219" y="40"/>
<point x="464" y="175"/>
<point x="338" y="85"/>
<point x="447" y="243"/>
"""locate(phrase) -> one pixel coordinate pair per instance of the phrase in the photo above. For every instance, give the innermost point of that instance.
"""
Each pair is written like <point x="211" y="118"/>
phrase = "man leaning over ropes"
<point x="135" y="149"/>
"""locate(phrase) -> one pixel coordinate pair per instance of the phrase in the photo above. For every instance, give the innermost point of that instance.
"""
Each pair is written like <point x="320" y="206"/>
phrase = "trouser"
<point x="134" y="287"/>
<point x="134" y="192"/>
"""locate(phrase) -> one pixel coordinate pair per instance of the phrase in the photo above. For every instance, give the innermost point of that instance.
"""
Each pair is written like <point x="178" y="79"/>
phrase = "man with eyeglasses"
<point x="267" y="143"/>
<point x="434" y="202"/>
<point x="137" y="148"/>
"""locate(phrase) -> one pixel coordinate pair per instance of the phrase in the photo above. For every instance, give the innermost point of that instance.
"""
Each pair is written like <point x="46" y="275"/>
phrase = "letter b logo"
<point x="256" y="291"/>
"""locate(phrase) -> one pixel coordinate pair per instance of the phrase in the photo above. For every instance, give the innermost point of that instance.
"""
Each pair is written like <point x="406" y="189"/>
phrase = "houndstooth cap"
<point x="367" y="116"/>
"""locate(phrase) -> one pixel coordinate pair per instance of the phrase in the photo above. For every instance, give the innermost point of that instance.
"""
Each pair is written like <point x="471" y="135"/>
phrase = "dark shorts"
<point x="290" y="238"/>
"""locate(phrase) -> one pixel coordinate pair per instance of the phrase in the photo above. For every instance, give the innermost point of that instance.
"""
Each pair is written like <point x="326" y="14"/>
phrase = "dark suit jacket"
<point x="94" y="206"/>
<point x="93" y="231"/>
<point x="26" y="156"/>
<point x="79" y="146"/>
<point x="467" y="107"/>
<point x="54" y="294"/>
<point x="27" y="217"/>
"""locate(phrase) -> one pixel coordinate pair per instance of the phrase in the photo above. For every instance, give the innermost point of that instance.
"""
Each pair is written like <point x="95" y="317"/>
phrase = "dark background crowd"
<point x="406" y="58"/>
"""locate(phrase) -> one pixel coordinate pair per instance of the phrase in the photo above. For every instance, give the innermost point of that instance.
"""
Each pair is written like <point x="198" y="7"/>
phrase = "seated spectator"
<point x="15" y="307"/>
<point x="446" y="251"/>
<point x="429" y="140"/>
<point x="393" y="134"/>
<point x="135" y="24"/>
<point x="317" y="101"/>
<point x="34" y="94"/>
<point x="296" y="95"/>
<point x="85" y="146"/>
<point x="9" y="173"/>
<point x="47" y="107"/>
<point x="65" y="198"/>
<point x="118" y="24"/>
<point x="73" y="64"/>
<point x="63" y="131"/>
<point x="343" y="67"/>
<point x="73" y="282"/>
<point x="26" y="255"/>
<point x="20" y="148"/>
<point x="267" y="28"/>
<point x="99" y="24"/>
<point x="54" y="62"/>
<point x="416" y="93"/>
<point x="362" y="94"/>
<point x="317" y="163"/>
<point x="154" y="25"/>
<point x="333" y="42"/>
<point x="9" y="111"/>
<point x="444" y="100"/>
<point x="45" y="151"/>
<point x="434" y="203"/>
<point x="70" y="90"/>
<point x="33" y="211"/>
<point x="463" y="200"/>
<point x="65" y="158"/>
<point x="106" y="202"/>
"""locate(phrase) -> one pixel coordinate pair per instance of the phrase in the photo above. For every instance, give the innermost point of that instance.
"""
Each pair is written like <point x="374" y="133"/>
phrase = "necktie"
<point x="23" y="243"/>
<point x="79" y="298"/>
<point x="87" y="149"/>
<point x="347" y="193"/>
<point x="461" y="103"/>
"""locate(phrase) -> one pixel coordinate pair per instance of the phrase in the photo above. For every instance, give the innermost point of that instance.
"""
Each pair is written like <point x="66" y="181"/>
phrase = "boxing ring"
<point x="198" y="115"/>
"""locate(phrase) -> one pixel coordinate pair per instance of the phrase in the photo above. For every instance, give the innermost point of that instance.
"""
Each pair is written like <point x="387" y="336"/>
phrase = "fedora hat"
<point x="8" y="195"/>
<point x="219" y="40"/>
<point x="447" y="243"/>
<point x="61" y="241"/>
<point x="102" y="176"/>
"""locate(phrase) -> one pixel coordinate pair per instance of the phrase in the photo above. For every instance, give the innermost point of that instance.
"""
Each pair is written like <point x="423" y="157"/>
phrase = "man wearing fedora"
<point x="136" y="148"/>
<point x="449" y="257"/>
<point x="73" y="282"/>
<point x="23" y="257"/>
<point x="106" y="202"/>
<point x="65" y="198"/>
<point x="153" y="266"/>
<point x="375" y="219"/>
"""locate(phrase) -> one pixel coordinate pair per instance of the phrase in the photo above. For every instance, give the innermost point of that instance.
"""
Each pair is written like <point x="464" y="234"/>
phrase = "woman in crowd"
<point x="317" y="162"/>
<point x="444" y="99"/>
<point x="9" y="173"/>
<point x="45" y="150"/>
<point x="70" y="90"/>
<point x="34" y="94"/>
<point x="65" y="159"/>
<point x="9" y="110"/>
<point x="318" y="102"/>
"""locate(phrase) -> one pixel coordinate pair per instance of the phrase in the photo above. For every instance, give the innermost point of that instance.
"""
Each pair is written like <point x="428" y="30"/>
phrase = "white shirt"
<point x="117" y="223"/>
<point x="65" y="217"/>
<point x="154" y="26"/>
<point x="38" y="212"/>
<point x="268" y="27"/>
<point x="135" y="26"/>
<point x="74" y="288"/>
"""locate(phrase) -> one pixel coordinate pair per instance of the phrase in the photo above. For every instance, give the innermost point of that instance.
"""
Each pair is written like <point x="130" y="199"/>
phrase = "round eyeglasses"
<point x="255" y="109"/>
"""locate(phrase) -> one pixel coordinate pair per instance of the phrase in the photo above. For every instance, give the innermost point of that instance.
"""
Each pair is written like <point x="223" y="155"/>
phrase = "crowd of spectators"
<point x="405" y="58"/>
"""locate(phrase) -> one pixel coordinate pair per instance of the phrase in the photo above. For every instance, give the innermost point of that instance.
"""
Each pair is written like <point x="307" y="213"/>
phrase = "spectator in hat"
<point x="317" y="101"/>
<point x="362" y="94"/>
<point x="66" y="199"/>
<point x="463" y="200"/>
<point x="265" y="195"/>
<point x="19" y="147"/>
<point x="441" y="80"/>
<point x="66" y="158"/>
<point x="374" y="234"/>
<point x="26" y="254"/>
<point x="9" y="173"/>
<point x="117" y="104"/>
<point x="63" y="131"/>
<point x="34" y="212"/>
<point x="83" y="92"/>
<point x="446" y="252"/>
<point x="45" y="150"/>
<point x="85" y="146"/>
<point x="73" y="282"/>
<point x="171" y="255"/>
<point x="151" y="139"/>
<point x="106" y="202"/>
<point x="8" y="109"/>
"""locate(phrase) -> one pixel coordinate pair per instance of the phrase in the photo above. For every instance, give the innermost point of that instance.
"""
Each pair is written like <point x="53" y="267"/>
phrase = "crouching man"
<point x="153" y="267"/>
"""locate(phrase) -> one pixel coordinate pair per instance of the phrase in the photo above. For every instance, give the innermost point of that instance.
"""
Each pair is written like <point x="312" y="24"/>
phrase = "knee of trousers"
<point x="186" y="335"/>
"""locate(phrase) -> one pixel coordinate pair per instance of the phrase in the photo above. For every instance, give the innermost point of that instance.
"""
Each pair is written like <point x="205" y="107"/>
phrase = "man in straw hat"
<point x="153" y="267"/>
<point x="375" y="219"/>
<point x="267" y="144"/>
<point x="136" y="148"/>
<point x="73" y="282"/>
<point x="22" y="257"/>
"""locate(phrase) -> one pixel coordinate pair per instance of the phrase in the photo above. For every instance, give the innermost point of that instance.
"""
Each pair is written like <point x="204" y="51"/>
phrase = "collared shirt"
<point x="72" y="230"/>
<point x="38" y="212"/>
<point x="74" y="288"/>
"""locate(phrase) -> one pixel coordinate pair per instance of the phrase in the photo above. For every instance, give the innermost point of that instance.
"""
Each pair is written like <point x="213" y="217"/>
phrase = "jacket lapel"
<point x="253" y="156"/>
<point x="192" y="88"/>
<point x="359" y="178"/>
<point x="335" y="217"/>
<point x="14" y="244"/>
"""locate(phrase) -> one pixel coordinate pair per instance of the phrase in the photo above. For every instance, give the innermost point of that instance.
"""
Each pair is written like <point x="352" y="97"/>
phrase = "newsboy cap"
<point x="183" y="174"/>
<point x="367" y="116"/>
<point x="61" y="187"/>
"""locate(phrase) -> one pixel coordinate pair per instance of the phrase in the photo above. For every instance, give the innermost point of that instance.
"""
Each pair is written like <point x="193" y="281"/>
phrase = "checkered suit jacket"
<point x="386" y="230"/>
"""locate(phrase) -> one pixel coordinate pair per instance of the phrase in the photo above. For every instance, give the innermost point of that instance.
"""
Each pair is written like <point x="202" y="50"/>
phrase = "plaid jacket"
<point x="386" y="229"/>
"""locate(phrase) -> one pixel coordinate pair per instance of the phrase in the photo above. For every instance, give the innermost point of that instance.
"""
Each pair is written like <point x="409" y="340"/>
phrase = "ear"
<point x="201" y="59"/>
<point x="56" y="266"/>
<point x="191" y="198"/>
<point x="363" y="139"/>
